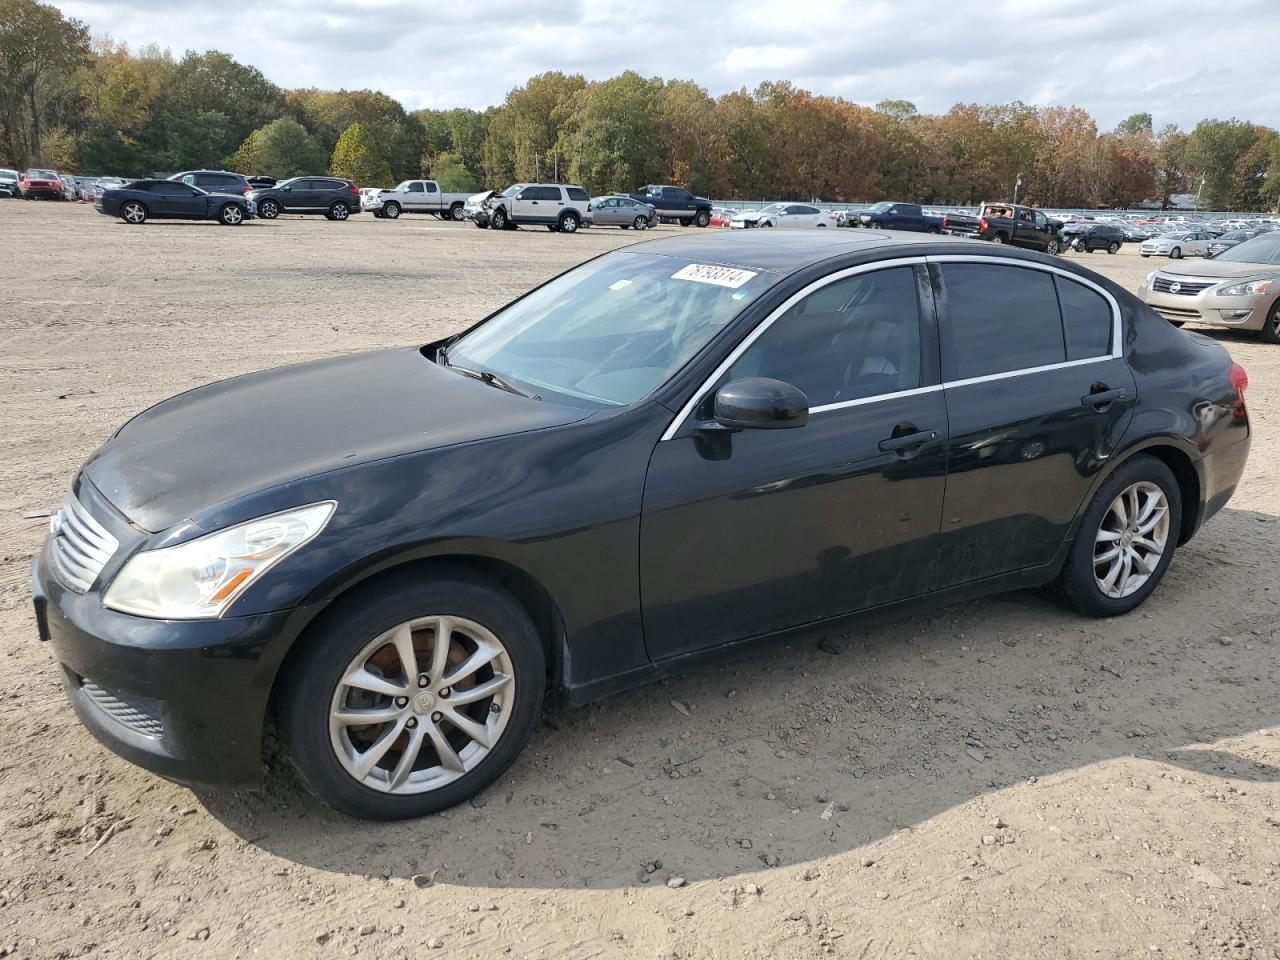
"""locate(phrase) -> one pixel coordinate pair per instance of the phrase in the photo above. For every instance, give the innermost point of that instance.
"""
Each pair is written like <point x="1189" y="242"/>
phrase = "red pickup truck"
<point x="37" y="184"/>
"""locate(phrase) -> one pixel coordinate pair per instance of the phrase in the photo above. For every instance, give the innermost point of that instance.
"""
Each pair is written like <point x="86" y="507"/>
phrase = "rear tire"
<point x="999" y="238"/>
<point x="338" y="211"/>
<point x="313" y="692"/>
<point x="568" y="223"/>
<point x="1113" y="248"/>
<point x="1053" y="247"/>
<point x="133" y="212"/>
<point x="1088" y="563"/>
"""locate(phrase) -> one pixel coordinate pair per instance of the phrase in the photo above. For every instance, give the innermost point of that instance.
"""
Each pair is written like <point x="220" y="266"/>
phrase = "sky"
<point x="1180" y="60"/>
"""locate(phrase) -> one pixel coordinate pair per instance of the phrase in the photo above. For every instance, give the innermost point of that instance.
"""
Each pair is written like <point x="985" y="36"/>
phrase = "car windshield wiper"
<point x="484" y="376"/>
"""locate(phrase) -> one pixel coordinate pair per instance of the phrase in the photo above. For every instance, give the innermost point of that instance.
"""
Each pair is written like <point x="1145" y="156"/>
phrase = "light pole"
<point x="1016" y="184"/>
<point x="1200" y="190"/>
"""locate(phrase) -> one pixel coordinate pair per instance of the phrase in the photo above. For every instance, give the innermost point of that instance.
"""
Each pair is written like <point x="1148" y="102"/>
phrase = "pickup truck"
<point x="675" y="203"/>
<point x="1007" y="223"/>
<point x="890" y="215"/>
<point x="416" y="196"/>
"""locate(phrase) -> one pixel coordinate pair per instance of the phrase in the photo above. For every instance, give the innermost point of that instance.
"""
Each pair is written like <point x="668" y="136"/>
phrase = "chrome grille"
<point x="1186" y="288"/>
<point x="137" y="713"/>
<point x="1176" y="313"/>
<point x="79" y="546"/>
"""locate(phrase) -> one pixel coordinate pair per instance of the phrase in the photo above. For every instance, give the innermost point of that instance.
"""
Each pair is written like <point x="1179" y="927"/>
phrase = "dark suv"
<point x="1088" y="237"/>
<point x="337" y="199"/>
<point x="215" y="181"/>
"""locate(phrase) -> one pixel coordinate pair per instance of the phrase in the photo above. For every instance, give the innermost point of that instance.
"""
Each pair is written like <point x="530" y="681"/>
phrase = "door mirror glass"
<point x="760" y="403"/>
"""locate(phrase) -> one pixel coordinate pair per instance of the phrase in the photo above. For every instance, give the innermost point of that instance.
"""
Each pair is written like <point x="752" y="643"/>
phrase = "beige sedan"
<point x="1240" y="287"/>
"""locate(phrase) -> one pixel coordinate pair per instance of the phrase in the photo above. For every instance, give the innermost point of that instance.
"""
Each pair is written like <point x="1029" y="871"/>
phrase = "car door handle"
<point x="1103" y="398"/>
<point x="908" y="441"/>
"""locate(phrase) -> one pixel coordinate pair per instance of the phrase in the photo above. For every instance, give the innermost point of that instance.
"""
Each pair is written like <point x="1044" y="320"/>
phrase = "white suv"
<point x="562" y="207"/>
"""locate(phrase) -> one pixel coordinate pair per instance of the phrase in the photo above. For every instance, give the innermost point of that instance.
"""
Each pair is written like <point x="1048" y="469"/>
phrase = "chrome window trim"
<point x="1117" y="349"/>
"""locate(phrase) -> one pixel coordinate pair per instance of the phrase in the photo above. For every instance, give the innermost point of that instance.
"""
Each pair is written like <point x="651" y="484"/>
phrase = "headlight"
<point x="1146" y="284"/>
<point x="1251" y="288"/>
<point x="201" y="578"/>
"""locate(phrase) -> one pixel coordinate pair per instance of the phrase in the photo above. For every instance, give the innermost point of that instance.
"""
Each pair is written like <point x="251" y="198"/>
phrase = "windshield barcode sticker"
<point x="718" y="276"/>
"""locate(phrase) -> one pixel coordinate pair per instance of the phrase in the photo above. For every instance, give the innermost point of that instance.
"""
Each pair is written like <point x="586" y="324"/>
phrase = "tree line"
<point x="91" y="106"/>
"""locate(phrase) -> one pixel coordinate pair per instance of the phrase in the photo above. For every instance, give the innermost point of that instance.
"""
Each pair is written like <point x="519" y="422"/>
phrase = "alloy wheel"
<point x="1131" y="540"/>
<point x="422" y="705"/>
<point x="134" y="213"/>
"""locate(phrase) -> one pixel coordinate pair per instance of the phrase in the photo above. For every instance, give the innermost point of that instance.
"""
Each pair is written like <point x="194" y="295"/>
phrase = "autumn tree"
<point x="281" y="149"/>
<point x="356" y="157"/>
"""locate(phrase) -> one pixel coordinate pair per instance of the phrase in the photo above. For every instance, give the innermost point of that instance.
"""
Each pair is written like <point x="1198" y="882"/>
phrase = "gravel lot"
<point x="996" y="779"/>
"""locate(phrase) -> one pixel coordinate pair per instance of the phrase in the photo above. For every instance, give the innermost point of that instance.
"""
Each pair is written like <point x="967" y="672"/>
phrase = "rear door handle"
<point x="1103" y="398"/>
<point x="909" y="441"/>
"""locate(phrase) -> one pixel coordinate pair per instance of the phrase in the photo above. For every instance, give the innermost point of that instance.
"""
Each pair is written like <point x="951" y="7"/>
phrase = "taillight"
<point x="246" y="188"/>
<point x="982" y="225"/>
<point x="944" y="219"/>
<point x="1239" y="382"/>
<point x="355" y="189"/>
<point x="588" y="208"/>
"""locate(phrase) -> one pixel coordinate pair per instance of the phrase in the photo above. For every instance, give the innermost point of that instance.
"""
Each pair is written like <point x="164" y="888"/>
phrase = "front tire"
<point x="133" y="212"/>
<point x="1270" y="332"/>
<point x="457" y="213"/>
<point x="231" y="215"/>
<point x="702" y="219"/>
<point x="640" y="223"/>
<point x="1126" y="540"/>
<point x="414" y="696"/>
<point x="498" y="220"/>
<point x="1175" y="253"/>
<point x="268" y="209"/>
<point x="391" y="211"/>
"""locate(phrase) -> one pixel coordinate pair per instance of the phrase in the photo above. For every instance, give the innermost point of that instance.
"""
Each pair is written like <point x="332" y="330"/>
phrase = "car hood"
<point x="230" y="439"/>
<point x="1219" y="268"/>
<point x="753" y="215"/>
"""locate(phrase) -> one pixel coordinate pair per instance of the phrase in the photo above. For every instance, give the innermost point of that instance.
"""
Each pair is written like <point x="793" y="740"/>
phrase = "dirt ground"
<point x="996" y="779"/>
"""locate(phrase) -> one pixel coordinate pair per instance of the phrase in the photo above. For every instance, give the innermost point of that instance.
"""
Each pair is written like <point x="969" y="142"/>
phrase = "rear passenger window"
<point x="1086" y="318"/>
<point x="999" y="319"/>
<point x="854" y="338"/>
<point x="577" y="193"/>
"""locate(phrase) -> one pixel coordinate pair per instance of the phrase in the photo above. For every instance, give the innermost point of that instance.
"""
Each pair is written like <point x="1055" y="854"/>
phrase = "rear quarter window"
<point x="1086" y="320"/>
<point x="577" y="193"/>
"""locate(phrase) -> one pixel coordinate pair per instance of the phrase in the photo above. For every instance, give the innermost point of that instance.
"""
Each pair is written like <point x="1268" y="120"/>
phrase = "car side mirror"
<point x="286" y="189"/>
<point x="759" y="403"/>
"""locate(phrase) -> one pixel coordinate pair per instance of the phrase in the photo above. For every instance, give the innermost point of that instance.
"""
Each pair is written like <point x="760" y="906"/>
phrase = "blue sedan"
<point x="141" y="200"/>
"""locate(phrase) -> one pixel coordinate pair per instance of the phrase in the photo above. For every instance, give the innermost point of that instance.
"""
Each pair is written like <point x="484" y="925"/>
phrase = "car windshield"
<point x="8" y="174"/>
<point x="880" y="207"/>
<point x="47" y="174"/>
<point x="512" y="190"/>
<point x="1261" y="249"/>
<point x="773" y="208"/>
<point x="612" y="330"/>
<point x="1172" y="236"/>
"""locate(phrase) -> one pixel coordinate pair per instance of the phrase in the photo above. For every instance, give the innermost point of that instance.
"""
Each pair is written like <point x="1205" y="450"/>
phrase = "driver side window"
<point x="854" y="338"/>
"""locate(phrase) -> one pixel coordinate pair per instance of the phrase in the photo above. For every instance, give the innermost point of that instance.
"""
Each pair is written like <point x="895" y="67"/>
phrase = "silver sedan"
<point x="624" y="212"/>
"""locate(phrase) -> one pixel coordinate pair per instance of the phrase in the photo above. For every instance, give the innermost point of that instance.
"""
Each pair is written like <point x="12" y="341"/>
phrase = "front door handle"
<point x="908" y="441"/>
<point x="1103" y="398"/>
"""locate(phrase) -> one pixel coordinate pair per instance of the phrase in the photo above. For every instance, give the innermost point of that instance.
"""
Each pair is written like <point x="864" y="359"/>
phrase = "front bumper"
<point x="1243" y="313"/>
<point x="184" y="699"/>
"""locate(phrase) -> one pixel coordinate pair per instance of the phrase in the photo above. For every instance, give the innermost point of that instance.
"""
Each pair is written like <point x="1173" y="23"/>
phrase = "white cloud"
<point x="1180" y="60"/>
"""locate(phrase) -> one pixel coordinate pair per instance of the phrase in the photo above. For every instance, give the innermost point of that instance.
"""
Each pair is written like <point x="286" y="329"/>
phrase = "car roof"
<point x="786" y="251"/>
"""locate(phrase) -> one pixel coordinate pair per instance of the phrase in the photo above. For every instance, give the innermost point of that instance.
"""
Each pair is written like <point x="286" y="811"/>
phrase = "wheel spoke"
<point x="476" y="731"/>
<point x="1113" y="573"/>
<point x="366" y="761"/>
<point x="1153" y="520"/>
<point x="362" y="679"/>
<point x="483" y="654"/>
<point x="440" y="649"/>
<point x="449" y="758"/>
<point x="1121" y="511"/>
<point x="1152" y="502"/>
<point x="1107" y="536"/>
<point x="403" y="641"/>
<point x="404" y="766"/>
<point x="1140" y="562"/>
<point x="1107" y="555"/>
<point x="359" y="716"/>
<point x="1148" y="545"/>
<point x="480" y="691"/>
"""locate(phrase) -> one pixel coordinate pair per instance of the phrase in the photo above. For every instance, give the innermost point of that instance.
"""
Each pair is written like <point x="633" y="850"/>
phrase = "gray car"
<point x="624" y="212"/>
<point x="1239" y="287"/>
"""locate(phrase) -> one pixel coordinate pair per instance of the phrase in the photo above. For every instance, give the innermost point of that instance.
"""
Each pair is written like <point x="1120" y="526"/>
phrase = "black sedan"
<point x="666" y="453"/>
<point x="142" y="200"/>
